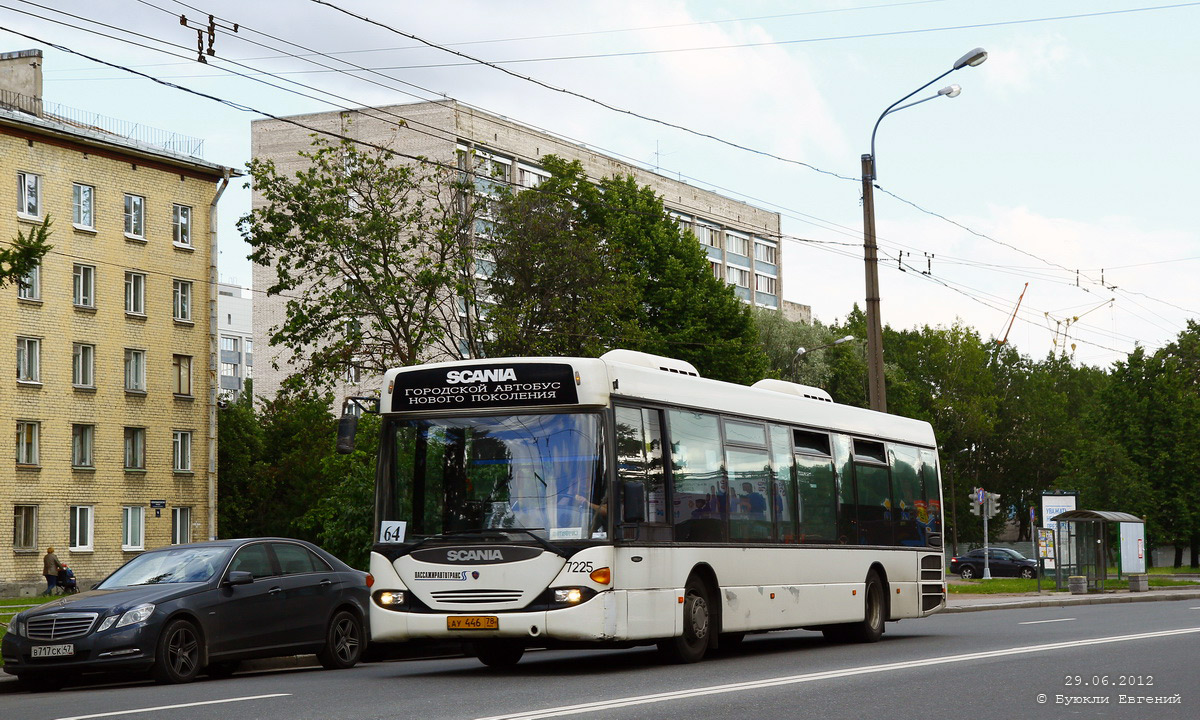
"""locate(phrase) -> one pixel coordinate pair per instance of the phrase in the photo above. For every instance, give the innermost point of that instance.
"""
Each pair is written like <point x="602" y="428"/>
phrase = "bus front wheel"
<point x="697" y="623"/>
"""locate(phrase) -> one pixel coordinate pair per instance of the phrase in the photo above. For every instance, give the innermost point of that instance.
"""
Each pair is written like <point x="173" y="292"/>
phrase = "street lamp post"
<point x="876" y="390"/>
<point x="801" y="352"/>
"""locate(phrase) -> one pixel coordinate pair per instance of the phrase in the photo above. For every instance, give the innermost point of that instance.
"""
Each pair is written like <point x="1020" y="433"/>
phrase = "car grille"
<point x="474" y="597"/>
<point x="60" y="626"/>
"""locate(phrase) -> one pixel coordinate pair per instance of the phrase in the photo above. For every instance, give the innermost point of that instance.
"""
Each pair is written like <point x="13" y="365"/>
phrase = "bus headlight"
<point x="569" y="596"/>
<point x="390" y="598"/>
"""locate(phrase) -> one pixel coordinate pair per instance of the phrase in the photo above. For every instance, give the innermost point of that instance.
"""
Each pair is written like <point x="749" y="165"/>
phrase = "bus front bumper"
<point x="592" y="621"/>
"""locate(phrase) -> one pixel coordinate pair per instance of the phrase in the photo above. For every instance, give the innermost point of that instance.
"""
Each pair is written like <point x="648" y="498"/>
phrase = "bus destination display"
<point x="485" y="386"/>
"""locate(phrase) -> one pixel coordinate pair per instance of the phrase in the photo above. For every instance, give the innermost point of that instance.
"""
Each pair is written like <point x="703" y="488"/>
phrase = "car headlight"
<point x="108" y="622"/>
<point x="17" y="627"/>
<point x="138" y="614"/>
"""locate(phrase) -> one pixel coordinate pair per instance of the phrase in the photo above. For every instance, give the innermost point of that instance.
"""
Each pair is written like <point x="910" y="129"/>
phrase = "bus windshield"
<point x="542" y="473"/>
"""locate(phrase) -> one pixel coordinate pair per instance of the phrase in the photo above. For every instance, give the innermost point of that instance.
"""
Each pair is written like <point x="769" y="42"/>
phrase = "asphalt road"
<point x="985" y="666"/>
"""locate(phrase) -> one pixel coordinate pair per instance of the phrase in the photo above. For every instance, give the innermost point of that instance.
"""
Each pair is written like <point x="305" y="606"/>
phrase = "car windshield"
<point x="175" y="565"/>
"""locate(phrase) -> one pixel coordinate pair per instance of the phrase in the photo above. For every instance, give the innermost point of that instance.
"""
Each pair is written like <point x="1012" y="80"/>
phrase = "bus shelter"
<point x="1082" y="545"/>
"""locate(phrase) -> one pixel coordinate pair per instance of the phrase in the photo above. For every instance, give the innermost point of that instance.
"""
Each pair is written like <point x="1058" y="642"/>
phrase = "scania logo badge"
<point x="474" y="574"/>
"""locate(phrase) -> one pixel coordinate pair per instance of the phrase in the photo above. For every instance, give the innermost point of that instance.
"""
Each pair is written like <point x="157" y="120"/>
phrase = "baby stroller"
<point x="66" y="580"/>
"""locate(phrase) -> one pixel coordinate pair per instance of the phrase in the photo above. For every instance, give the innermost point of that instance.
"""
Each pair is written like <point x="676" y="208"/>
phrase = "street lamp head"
<point x="950" y="91"/>
<point x="841" y="340"/>
<point x="800" y="351"/>
<point x="973" y="58"/>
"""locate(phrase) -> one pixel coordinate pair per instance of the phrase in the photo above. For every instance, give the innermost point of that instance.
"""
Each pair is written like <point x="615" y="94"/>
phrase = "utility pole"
<point x="875" y="390"/>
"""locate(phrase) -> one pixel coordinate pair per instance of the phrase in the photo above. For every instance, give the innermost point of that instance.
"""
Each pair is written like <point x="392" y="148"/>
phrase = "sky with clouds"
<point x="1062" y="164"/>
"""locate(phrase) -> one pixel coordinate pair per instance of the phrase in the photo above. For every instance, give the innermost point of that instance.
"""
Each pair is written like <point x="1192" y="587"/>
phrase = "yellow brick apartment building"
<point x="108" y="349"/>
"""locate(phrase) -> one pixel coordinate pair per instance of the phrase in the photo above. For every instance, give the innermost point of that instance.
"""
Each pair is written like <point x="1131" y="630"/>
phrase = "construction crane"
<point x="1014" y="316"/>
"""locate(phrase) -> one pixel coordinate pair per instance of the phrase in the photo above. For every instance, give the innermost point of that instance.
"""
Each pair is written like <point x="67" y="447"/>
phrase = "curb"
<point x="1075" y="600"/>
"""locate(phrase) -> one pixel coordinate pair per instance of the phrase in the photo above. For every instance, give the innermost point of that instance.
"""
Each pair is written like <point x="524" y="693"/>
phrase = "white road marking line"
<point x="1039" y="622"/>
<point x="827" y="675"/>
<point x="175" y="707"/>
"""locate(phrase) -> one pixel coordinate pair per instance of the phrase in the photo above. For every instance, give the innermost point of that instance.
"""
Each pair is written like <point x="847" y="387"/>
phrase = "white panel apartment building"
<point x="742" y="241"/>
<point x="235" y="325"/>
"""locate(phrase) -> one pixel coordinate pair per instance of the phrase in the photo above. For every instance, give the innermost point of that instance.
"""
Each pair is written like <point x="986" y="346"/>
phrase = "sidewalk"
<point x="1007" y="601"/>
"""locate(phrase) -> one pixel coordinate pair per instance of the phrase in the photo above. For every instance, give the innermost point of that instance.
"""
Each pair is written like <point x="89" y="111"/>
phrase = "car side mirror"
<point x="239" y="577"/>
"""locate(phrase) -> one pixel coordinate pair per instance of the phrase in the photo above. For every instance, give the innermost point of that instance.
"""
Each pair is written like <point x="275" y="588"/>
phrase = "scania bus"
<point x="625" y="500"/>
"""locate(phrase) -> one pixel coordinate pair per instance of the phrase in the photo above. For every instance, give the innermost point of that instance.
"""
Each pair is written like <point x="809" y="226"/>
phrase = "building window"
<point x="717" y="272"/>
<point x="181" y="450"/>
<point x="764" y="284"/>
<point x="135" y="448"/>
<point x="81" y="527"/>
<point x="181" y="225"/>
<point x="81" y="206"/>
<point x="229" y="344"/>
<point x="133" y="525"/>
<point x="84" y="286"/>
<point x="182" y="365"/>
<point x="29" y="195"/>
<point x="29" y="359"/>
<point x="708" y="234"/>
<point x="738" y="276"/>
<point x="229" y="370"/>
<point x="135" y="293"/>
<point x="83" y="365"/>
<point x="737" y="244"/>
<point x="181" y="525"/>
<point x="135" y="370"/>
<point x="183" y="300"/>
<point x="27" y="443"/>
<point x="25" y="527"/>
<point x="29" y="287"/>
<point x="764" y="253"/>
<point x="135" y="216"/>
<point x="83" y="439"/>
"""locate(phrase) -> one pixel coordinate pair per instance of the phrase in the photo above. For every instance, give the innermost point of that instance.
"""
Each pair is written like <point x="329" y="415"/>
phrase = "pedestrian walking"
<point x="50" y="568"/>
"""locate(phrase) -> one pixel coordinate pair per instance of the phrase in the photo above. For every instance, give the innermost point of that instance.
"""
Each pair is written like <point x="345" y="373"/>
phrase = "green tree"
<point x="659" y="296"/>
<point x="552" y="290"/>
<point x="342" y="520"/>
<point x="370" y="253"/>
<point x="25" y="253"/>
<point x="245" y="496"/>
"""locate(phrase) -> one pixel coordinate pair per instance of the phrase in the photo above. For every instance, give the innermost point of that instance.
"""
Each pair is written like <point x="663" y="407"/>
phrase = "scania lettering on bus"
<point x="455" y="377"/>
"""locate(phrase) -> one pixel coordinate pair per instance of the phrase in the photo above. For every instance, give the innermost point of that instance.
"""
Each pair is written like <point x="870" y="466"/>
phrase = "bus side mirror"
<point x="633" y="506"/>
<point x="347" y="427"/>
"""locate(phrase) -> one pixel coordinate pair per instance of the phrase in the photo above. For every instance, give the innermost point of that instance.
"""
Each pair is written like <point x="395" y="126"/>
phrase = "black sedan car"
<point x="183" y="609"/>
<point x="1002" y="562"/>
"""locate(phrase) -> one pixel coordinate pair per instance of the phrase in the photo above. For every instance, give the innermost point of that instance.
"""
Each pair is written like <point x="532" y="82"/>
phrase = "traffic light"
<point x="974" y="503"/>
<point x="993" y="504"/>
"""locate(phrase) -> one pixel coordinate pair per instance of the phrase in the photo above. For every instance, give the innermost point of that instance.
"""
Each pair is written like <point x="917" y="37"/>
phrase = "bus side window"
<point x="910" y="511"/>
<point x="872" y="482"/>
<point x="783" y="487"/>
<point x="639" y="457"/>
<point x="698" y="474"/>
<point x="816" y="487"/>
<point x="847" y="504"/>
<point x="933" y="499"/>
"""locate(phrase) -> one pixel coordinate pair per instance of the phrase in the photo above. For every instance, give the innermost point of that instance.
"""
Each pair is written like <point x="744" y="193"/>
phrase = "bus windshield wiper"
<point x="490" y="531"/>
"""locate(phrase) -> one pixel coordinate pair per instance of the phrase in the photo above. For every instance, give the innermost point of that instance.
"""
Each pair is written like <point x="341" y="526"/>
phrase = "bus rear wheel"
<point x="499" y="653"/>
<point x="870" y="629"/>
<point x="697" y="622"/>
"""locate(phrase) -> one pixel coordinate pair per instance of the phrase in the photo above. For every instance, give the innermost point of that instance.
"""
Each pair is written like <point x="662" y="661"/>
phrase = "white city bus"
<point x="625" y="500"/>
